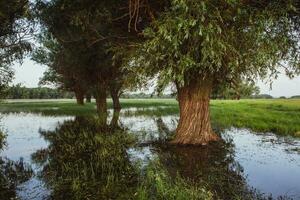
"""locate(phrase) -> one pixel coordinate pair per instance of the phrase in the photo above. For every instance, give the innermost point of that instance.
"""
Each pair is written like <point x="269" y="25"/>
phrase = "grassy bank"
<point x="279" y="116"/>
<point x="58" y="107"/>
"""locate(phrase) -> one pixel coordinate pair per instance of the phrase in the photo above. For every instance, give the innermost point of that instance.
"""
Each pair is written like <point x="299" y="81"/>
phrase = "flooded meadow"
<point x="73" y="157"/>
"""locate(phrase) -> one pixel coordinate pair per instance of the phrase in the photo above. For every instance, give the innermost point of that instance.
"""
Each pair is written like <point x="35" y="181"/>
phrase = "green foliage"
<point x="21" y="92"/>
<point x="2" y="140"/>
<point x="262" y="96"/>
<point x="221" y="40"/>
<point x="12" y="173"/>
<point x="85" y="160"/>
<point x="237" y="90"/>
<point x="69" y="108"/>
<point x="95" y="40"/>
<point x="47" y="54"/>
<point x="158" y="184"/>
<point x="65" y="70"/>
<point x="81" y="58"/>
<point x="6" y="75"/>
<point x="278" y="116"/>
<point x="295" y="97"/>
<point x="15" y="31"/>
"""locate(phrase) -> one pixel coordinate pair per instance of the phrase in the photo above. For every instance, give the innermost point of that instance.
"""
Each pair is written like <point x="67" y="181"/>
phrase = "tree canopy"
<point x="221" y="40"/>
<point x="15" y="33"/>
<point x="199" y="46"/>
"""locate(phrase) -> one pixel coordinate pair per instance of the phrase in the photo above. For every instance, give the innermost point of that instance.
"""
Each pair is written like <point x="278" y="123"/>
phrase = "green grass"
<point x="278" y="116"/>
<point x="87" y="161"/>
<point x="71" y="108"/>
<point x="157" y="184"/>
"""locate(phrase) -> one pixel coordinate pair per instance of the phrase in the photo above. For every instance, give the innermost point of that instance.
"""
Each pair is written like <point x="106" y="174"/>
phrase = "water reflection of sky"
<point x="23" y="136"/>
<point x="267" y="161"/>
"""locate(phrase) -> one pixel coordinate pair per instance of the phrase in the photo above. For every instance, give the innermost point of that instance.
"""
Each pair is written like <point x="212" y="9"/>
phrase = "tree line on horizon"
<point x="18" y="91"/>
<point x="198" y="47"/>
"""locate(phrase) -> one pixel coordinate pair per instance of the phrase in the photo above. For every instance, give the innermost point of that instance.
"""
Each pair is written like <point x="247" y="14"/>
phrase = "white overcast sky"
<point x="29" y="74"/>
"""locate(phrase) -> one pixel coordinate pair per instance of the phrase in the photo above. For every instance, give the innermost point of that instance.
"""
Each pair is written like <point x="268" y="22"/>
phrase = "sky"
<point x="29" y="73"/>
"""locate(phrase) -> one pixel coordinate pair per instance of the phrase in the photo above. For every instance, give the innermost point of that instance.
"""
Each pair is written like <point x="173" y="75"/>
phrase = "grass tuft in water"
<point x="12" y="173"/>
<point x="157" y="184"/>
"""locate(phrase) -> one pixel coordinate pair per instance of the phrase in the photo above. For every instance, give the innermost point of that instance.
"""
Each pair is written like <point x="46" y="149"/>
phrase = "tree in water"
<point x="96" y="37"/>
<point x="63" y="71"/>
<point x="198" y="45"/>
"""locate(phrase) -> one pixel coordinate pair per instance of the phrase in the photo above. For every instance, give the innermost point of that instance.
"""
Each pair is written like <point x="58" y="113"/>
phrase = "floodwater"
<point x="38" y="147"/>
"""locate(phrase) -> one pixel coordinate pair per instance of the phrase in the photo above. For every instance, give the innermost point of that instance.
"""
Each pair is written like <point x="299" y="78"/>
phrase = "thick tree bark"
<point x="115" y="118"/>
<point x="116" y="100"/>
<point x="88" y="98"/>
<point x="79" y="97"/>
<point x="194" y="125"/>
<point x="115" y="95"/>
<point x="100" y="96"/>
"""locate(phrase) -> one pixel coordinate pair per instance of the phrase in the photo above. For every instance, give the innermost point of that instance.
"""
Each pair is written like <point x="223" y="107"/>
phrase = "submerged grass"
<point x="278" y="116"/>
<point x="157" y="184"/>
<point x="86" y="161"/>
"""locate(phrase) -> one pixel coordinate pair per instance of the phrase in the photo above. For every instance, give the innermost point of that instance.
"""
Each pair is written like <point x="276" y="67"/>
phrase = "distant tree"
<point x="295" y="97"/>
<point x="262" y="96"/>
<point x="96" y="34"/>
<point x="241" y="89"/>
<point x="63" y="71"/>
<point x="81" y="61"/>
<point x="6" y="75"/>
<point x="21" y="92"/>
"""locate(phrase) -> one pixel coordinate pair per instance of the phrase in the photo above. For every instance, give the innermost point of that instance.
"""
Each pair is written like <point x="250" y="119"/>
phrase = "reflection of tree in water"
<point x="11" y="173"/>
<point x="212" y="166"/>
<point x="207" y="165"/>
<point x="163" y="129"/>
<point x="115" y="118"/>
<point x="87" y="161"/>
<point x="2" y="137"/>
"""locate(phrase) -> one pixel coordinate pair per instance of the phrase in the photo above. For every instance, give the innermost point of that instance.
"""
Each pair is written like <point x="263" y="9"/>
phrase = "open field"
<point x="278" y="116"/>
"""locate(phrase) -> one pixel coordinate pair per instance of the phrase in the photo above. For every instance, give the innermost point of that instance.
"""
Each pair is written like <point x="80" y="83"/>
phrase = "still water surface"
<point x="265" y="162"/>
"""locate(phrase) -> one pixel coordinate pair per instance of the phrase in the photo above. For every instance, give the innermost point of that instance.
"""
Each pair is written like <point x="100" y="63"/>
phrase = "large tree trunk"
<point x="79" y="97"/>
<point x="194" y="125"/>
<point x="116" y="100"/>
<point x="88" y="97"/>
<point x="115" y="118"/>
<point x="100" y="96"/>
<point x="115" y="88"/>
